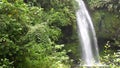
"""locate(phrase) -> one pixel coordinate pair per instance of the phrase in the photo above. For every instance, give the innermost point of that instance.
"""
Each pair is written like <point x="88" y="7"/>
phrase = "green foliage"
<point x="109" y="5"/>
<point x="29" y="34"/>
<point x="12" y="29"/>
<point x="106" y="24"/>
<point x="110" y="57"/>
<point x="5" y="63"/>
<point x="48" y="4"/>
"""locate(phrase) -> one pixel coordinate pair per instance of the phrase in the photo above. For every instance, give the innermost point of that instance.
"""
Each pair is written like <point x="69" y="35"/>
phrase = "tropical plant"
<point x="29" y="35"/>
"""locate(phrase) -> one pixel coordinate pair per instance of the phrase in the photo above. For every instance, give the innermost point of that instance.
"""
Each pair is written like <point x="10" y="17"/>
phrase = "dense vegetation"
<point x="30" y="34"/>
<point x="43" y="33"/>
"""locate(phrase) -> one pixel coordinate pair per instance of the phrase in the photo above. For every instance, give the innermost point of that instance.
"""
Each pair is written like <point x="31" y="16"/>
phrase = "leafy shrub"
<point x="109" y="5"/>
<point x="28" y="36"/>
<point x="110" y="57"/>
<point x="5" y="63"/>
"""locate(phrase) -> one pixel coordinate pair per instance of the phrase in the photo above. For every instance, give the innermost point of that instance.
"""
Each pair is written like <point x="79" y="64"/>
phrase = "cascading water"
<point x="87" y="36"/>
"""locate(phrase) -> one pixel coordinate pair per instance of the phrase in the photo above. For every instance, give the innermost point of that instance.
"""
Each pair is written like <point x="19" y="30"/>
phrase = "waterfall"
<point x="90" y="54"/>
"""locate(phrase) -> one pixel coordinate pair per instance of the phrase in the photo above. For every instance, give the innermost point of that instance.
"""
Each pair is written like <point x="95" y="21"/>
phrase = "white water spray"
<point x="87" y="36"/>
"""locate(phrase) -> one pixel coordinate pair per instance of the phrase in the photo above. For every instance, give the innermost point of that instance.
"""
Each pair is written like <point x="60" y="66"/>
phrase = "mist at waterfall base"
<point x="87" y="37"/>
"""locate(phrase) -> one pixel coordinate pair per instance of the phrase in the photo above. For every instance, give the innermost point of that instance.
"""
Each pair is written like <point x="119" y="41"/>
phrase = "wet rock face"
<point x="107" y="26"/>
